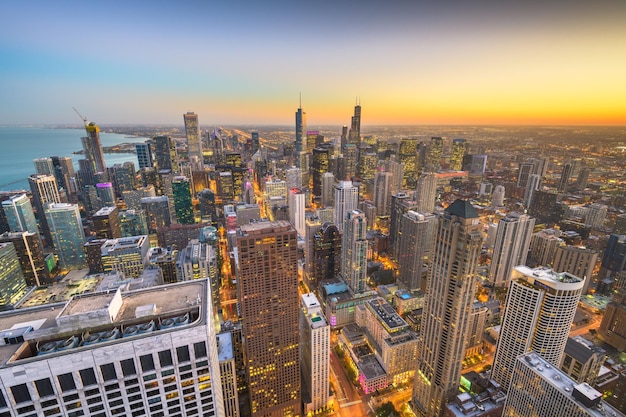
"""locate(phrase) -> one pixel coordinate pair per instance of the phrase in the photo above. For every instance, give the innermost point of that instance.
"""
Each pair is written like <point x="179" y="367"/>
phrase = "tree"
<point x="387" y="410"/>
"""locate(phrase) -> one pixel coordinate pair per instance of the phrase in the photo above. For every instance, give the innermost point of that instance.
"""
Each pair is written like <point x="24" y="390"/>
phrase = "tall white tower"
<point x="354" y="251"/>
<point x="511" y="246"/>
<point x="314" y="352"/>
<point x="426" y="192"/>
<point x="540" y="307"/>
<point x="346" y="200"/>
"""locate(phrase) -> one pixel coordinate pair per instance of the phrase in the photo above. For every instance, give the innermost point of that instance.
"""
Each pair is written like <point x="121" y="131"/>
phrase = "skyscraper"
<point x="382" y="192"/>
<point x="511" y="246"/>
<point x="540" y="307"/>
<point x="447" y="307"/>
<point x="157" y="211"/>
<point x="532" y="185"/>
<point x="30" y="253"/>
<point x="408" y="157"/>
<point x="497" y="197"/>
<point x="144" y="154"/>
<point x="314" y="353"/>
<point x="354" y="135"/>
<point x="44" y="190"/>
<point x="325" y="256"/>
<point x="181" y="189"/>
<point x="296" y="202"/>
<point x="414" y="249"/>
<point x="165" y="153"/>
<point x="19" y="214"/>
<point x="346" y="200"/>
<point x="426" y="193"/>
<point x="12" y="283"/>
<point x="566" y="174"/>
<point x="67" y="233"/>
<point x="327" y="195"/>
<point x="106" y="223"/>
<point x="93" y="149"/>
<point x="578" y="261"/>
<point x="44" y="166"/>
<point x="459" y="149"/>
<point x="435" y="153"/>
<point x="267" y="290"/>
<point x="194" y="141"/>
<point x="354" y="251"/>
<point x="197" y="261"/>
<point x="301" y="144"/>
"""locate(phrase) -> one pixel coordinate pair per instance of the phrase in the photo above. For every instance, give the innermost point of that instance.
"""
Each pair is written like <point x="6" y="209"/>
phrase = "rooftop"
<point x="224" y="346"/>
<point x="386" y="314"/>
<point x="463" y="209"/>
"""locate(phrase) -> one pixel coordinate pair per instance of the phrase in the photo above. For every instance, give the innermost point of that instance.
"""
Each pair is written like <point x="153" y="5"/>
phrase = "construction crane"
<point x="83" y="118"/>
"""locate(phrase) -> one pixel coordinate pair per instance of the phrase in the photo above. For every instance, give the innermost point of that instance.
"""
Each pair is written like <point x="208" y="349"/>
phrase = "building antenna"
<point x="83" y="118"/>
<point x="300" y="99"/>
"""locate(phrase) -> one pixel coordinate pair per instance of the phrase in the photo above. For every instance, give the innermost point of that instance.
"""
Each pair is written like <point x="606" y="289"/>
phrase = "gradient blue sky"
<point x="462" y="62"/>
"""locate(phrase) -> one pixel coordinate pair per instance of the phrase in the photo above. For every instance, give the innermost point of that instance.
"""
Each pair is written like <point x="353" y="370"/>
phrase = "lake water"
<point x="20" y="145"/>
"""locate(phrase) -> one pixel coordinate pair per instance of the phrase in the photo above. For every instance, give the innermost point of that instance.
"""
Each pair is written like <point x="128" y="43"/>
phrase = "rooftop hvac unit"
<point x="110" y="335"/>
<point x="48" y="347"/>
<point x="70" y="343"/>
<point x="181" y="320"/>
<point x="130" y="331"/>
<point x="167" y="323"/>
<point x="147" y="327"/>
<point x="91" y="339"/>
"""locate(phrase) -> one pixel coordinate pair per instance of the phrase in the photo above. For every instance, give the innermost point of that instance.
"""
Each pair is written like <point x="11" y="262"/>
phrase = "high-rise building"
<point x="538" y="388"/>
<point x="106" y="193"/>
<point x="416" y="234"/>
<point x="382" y="192"/>
<point x="346" y="200"/>
<point x="126" y="255"/>
<point x="325" y="255"/>
<point x="12" y="283"/>
<point x="408" y="157"/>
<point x="435" y="153"/>
<point x="426" y="193"/>
<point x="459" y="149"/>
<point x="327" y="192"/>
<point x="157" y="211"/>
<point x="314" y="353"/>
<point x="523" y="174"/>
<point x="293" y="178"/>
<point x="165" y="153"/>
<point x="194" y="141"/>
<point x="144" y="154"/>
<point x="596" y="215"/>
<point x="543" y="245"/>
<point x="354" y="135"/>
<point x="301" y="144"/>
<point x="400" y="204"/>
<point x="540" y="308"/>
<point x="531" y="186"/>
<point x="267" y="289"/>
<point x="497" y="197"/>
<point x="64" y="173"/>
<point x="578" y="261"/>
<point x="132" y="223"/>
<point x="116" y="343"/>
<point x="19" y="214"/>
<point x="67" y="233"/>
<point x="511" y="246"/>
<point x="354" y="251"/>
<point x="614" y="257"/>
<point x="447" y="307"/>
<point x="106" y="223"/>
<point x="612" y="329"/>
<point x="93" y="150"/>
<point x="123" y="177"/>
<point x="181" y="189"/>
<point x="197" y="261"/>
<point x="319" y="168"/>
<point x="44" y="190"/>
<point x="582" y="360"/>
<point x="566" y="174"/>
<point x="228" y="371"/>
<point x="44" y="166"/>
<point x="30" y="253"/>
<point x="296" y="202"/>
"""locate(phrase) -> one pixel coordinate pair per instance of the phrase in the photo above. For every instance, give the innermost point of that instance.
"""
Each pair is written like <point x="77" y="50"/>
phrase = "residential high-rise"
<point x="30" y="253"/>
<point x="126" y="255"/>
<point x="346" y="200"/>
<point x="447" y="307"/>
<point x="181" y="189"/>
<point x="578" y="261"/>
<point x="296" y="203"/>
<point x="596" y="215"/>
<point x="44" y="189"/>
<point x="93" y="149"/>
<point x="199" y="260"/>
<point x="157" y="211"/>
<point x="12" y="283"/>
<point x="44" y="166"/>
<point x="382" y="192"/>
<point x="435" y="153"/>
<point x="354" y="251"/>
<point x="64" y="173"/>
<point x="67" y="233"/>
<point x="523" y="174"/>
<point x="106" y="223"/>
<point x="497" y="197"/>
<point x="511" y="246"/>
<point x="314" y="353"/>
<point x="543" y="245"/>
<point x="426" y="193"/>
<point x="165" y="153"/>
<point x="540" y="307"/>
<point x="194" y="141"/>
<point x="148" y="352"/>
<point x="416" y="233"/>
<point x="566" y="174"/>
<point x="538" y="388"/>
<point x="582" y="360"/>
<point x="531" y="186"/>
<point x="400" y="204"/>
<point x="19" y="214"/>
<point x="267" y="290"/>
<point x="327" y="194"/>
<point x="459" y="149"/>
<point x="144" y="154"/>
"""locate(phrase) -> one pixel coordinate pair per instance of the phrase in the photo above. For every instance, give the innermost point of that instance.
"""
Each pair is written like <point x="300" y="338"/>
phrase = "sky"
<point x="247" y="62"/>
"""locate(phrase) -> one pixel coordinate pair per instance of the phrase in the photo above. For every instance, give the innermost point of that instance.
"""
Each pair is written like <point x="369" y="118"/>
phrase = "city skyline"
<point x="405" y="63"/>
